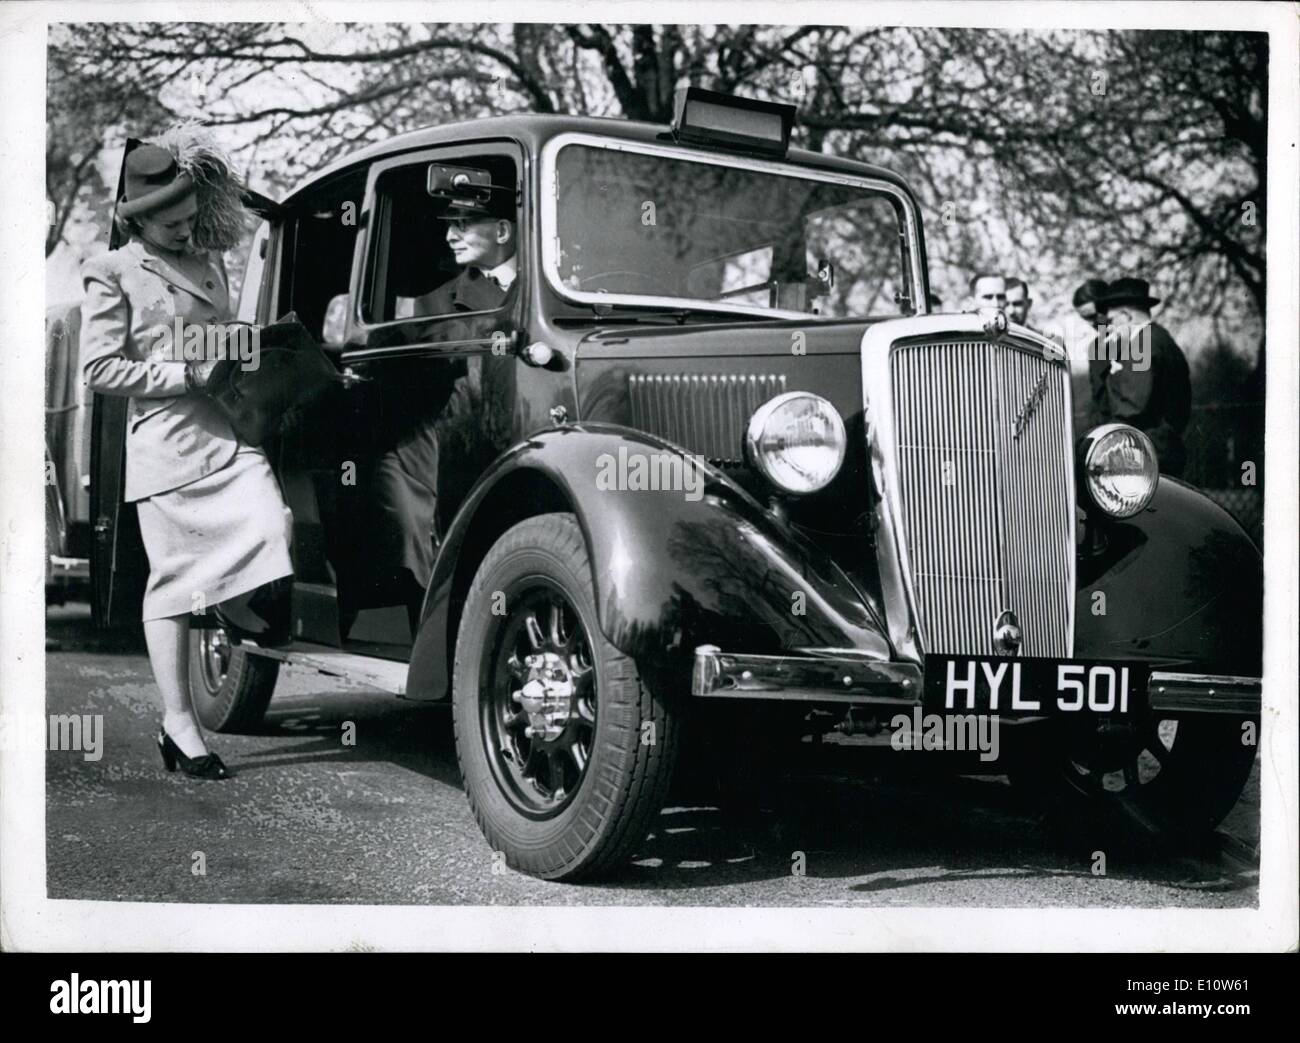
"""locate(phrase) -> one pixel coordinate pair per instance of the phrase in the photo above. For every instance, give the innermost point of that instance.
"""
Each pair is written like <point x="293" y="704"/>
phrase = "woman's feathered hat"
<point x="185" y="159"/>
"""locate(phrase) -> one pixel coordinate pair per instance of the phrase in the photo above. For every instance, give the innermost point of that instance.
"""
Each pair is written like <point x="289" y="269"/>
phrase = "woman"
<point x="212" y="518"/>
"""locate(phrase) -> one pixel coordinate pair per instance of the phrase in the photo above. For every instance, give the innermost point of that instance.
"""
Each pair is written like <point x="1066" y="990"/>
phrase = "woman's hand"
<point x="197" y="374"/>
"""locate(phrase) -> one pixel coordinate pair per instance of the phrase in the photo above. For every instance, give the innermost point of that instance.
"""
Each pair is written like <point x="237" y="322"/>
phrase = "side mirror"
<point x="334" y="329"/>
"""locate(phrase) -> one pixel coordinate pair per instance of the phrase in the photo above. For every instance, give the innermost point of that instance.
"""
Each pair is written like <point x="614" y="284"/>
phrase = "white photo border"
<point x="29" y="921"/>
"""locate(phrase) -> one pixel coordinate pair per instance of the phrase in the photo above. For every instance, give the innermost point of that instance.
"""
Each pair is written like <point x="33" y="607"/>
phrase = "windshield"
<point x="655" y="228"/>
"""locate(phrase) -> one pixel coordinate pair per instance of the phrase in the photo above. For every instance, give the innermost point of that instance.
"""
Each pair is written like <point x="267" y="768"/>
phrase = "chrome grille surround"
<point x="971" y="445"/>
<point x="705" y="414"/>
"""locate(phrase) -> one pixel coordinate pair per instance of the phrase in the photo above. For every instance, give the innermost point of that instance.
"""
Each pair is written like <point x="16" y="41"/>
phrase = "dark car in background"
<point x="67" y="462"/>
<point x="713" y="468"/>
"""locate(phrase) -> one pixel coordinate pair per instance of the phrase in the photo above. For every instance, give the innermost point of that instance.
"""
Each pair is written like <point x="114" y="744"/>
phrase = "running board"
<point x="385" y="674"/>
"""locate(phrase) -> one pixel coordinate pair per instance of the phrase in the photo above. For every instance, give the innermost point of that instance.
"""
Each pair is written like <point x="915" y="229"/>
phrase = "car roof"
<point x="533" y="130"/>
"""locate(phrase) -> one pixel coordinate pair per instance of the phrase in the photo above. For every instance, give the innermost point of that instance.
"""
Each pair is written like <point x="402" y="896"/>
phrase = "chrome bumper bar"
<point x="816" y="676"/>
<point x="837" y="675"/>
<point x="1204" y="693"/>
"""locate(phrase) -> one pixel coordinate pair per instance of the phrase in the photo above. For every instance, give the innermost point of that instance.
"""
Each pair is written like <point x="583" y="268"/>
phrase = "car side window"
<point x="316" y="247"/>
<point x="413" y="269"/>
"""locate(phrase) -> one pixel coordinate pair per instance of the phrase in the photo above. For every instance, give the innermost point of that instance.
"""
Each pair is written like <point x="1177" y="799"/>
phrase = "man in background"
<point x="1083" y="338"/>
<point x="1086" y="296"/>
<point x="1142" y="377"/>
<point x="987" y="291"/>
<point x="1018" y="301"/>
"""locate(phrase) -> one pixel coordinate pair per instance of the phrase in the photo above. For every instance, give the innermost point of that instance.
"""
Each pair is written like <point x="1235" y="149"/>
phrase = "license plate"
<point x="1032" y="687"/>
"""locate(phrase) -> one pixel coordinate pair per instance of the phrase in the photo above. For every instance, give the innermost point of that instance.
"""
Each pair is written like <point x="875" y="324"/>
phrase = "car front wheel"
<point x="565" y="746"/>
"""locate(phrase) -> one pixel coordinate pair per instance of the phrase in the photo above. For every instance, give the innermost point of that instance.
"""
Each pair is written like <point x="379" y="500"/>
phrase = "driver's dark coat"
<point x="437" y="440"/>
<point x="471" y="290"/>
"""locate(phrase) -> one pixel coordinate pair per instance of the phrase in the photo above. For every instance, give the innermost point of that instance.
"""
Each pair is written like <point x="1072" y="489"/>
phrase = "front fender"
<point x="672" y="568"/>
<point x="1179" y="585"/>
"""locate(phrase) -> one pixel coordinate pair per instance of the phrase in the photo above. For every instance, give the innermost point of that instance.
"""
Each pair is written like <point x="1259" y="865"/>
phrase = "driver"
<point x="481" y="236"/>
<point x="409" y="477"/>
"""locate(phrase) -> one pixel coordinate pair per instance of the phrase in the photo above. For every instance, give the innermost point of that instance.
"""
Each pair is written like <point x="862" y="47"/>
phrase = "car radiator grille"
<point x="986" y="509"/>
<point x="704" y="414"/>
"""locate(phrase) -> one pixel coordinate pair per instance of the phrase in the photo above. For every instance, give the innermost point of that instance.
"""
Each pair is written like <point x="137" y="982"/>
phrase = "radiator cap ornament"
<point x="995" y="323"/>
<point x="1007" y="634"/>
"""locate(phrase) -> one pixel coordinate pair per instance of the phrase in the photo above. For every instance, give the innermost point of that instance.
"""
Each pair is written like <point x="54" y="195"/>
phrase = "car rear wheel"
<point x="229" y="687"/>
<point x="1162" y="779"/>
<point x="565" y="746"/>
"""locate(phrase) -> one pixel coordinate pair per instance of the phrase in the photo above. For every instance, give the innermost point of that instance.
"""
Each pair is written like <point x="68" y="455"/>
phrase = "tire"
<point x="1163" y="781"/>
<point x="574" y="801"/>
<point x="230" y="688"/>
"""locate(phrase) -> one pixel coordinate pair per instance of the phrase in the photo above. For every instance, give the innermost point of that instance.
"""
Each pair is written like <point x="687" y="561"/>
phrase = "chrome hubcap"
<point x="214" y="653"/>
<point x="539" y="701"/>
<point x="546" y="696"/>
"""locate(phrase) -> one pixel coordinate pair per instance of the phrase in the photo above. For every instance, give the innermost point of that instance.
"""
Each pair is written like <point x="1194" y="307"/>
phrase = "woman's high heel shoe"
<point x="208" y="766"/>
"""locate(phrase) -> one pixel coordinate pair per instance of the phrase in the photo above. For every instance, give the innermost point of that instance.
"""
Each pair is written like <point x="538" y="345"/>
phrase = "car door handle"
<point x="350" y="378"/>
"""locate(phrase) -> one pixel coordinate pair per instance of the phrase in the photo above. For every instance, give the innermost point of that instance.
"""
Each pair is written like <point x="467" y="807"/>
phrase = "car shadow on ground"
<point x="414" y="737"/>
<point x="854" y="814"/>
<point x="901" y="832"/>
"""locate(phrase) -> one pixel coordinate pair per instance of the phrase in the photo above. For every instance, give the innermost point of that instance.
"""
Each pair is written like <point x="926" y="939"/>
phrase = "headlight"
<point x="797" y="441"/>
<point x="1120" y="469"/>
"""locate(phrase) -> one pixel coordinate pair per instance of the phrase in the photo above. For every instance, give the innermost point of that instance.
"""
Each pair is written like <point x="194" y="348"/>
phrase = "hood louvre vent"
<point x="703" y="414"/>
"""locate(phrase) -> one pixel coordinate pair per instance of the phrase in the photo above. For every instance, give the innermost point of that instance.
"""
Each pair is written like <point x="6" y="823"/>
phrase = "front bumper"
<point x="1204" y="693"/>
<point x="845" y="677"/>
<point x="830" y="675"/>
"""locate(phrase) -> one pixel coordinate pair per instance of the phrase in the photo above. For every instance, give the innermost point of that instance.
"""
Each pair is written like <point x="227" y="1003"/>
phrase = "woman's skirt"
<point x="224" y="534"/>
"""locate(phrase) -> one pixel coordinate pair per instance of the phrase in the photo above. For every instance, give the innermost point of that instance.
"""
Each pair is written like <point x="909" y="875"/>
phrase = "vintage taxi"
<point x="712" y="461"/>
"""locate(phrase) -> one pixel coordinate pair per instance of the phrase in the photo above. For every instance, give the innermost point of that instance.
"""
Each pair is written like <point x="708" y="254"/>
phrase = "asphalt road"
<point x="309" y="820"/>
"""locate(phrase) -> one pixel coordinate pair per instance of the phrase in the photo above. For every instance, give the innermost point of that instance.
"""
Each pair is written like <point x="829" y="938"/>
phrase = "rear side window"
<point x="317" y="246"/>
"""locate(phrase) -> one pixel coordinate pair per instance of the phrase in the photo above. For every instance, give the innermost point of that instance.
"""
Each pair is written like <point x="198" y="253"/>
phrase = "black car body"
<point x="710" y="317"/>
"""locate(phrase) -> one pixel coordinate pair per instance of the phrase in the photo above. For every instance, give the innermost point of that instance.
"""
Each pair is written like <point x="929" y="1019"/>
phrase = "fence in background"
<point x="1225" y="457"/>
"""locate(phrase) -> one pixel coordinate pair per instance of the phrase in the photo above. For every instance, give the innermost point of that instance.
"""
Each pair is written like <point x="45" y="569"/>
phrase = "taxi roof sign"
<point x="710" y="118"/>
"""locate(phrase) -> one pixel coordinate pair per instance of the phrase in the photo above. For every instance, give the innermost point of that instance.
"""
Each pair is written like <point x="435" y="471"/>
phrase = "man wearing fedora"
<point x="1141" y="377"/>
